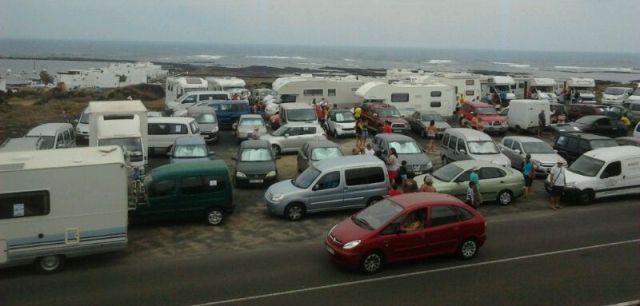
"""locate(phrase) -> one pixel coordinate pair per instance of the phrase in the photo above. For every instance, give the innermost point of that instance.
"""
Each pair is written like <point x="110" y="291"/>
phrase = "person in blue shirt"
<point x="529" y="172"/>
<point x="473" y="177"/>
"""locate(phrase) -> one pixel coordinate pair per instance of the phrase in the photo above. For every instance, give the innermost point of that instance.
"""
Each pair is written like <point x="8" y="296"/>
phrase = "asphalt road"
<point x="574" y="256"/>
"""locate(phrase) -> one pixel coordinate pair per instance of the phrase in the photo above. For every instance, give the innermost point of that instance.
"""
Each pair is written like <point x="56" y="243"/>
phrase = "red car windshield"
<point x="374" y="216"/>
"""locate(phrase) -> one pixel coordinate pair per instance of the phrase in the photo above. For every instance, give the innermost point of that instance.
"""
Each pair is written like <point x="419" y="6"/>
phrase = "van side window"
<point x="445" y="140"/>
<point x="613" y="169"/>
<point x="195" y="129"/>
<point x="572" y="144"/>
<point x="461" y="145"/>
<point x="452" y="142"/>
<point x="562" y="140"/>
<point x="24" y="204"/>
<point x="364" y="176"/>
<point x="201" y="184"/>
<point x="507" y="143"/>
<point x="329" y="180"/>
<point x="178" y="128"/>
<point x="158" y="129"/>
<point x="162" y="188"/>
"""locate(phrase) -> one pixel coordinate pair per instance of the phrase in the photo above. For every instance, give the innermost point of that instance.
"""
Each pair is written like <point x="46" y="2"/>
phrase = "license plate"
<point x="331" y="251"/>
<point x="397" y="131"/>
<point x="417" y="172"/>
<point x="256" y="181"/>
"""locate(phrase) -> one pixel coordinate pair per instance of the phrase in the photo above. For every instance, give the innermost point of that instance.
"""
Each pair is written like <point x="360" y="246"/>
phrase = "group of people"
<point x="556" y="178"/>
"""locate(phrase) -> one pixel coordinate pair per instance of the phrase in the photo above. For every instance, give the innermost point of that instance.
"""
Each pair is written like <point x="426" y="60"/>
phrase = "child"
<point x="402" y="172"/>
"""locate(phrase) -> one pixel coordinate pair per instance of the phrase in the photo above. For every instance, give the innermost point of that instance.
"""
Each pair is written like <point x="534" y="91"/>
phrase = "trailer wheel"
<point x="50" y="263"/>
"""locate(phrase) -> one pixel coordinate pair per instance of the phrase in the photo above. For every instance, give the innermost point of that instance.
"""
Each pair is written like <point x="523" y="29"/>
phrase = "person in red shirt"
<point x="386" y="128"/>
<point x="394" y="191"/>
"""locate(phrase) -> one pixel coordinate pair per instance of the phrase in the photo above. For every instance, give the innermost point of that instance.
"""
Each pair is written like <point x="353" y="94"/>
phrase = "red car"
<point x="406" y="227"/>
<point x="492" y="121"/>
<point x="377" y="113"/>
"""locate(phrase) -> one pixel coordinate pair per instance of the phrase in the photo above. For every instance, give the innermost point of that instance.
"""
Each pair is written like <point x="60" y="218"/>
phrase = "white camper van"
<point x="176" y="87"/>
<point x="56" y="204"/>
<point x="523" y="114"/>
<point x="503" y="85"/>
<point x="434" y="97"/>
<point x="121" y="123"/>
<point x="585" y="89"/>
<point x="306" y="88"/>
<point x="536" y="88"/>
<point x="231" y="84"/>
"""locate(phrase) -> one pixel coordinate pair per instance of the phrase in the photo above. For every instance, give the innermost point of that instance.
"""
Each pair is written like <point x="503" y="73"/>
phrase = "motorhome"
<point x="121" y="123"/>
<point x="176" y="87"/>
<point x="536" y="88"/>
<point x="466" y="84"/>
<point x="436" y="97"/>
<point x="57" y="204"/>
<point x="498" y="84"/>
<point x="582" y="90"/>
<point x="306" y="88"/>
<point x="231" y="84"/>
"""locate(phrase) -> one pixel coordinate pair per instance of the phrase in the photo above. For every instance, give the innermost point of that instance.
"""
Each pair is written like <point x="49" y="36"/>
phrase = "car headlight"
<point x="504" y="123"/>
<point x="429" y="165"/>
<point x="571" y="184"/>
<point x="271" y="173"/>
<point x="214" y="129"/>
<point x="351" y="244"/>
<point x="240" y="174"/>
<point x="277" y="197"/>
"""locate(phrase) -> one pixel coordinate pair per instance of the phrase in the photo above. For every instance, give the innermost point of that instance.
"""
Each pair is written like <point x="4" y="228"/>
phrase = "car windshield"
<point x="537" y="147"/>
<point x="503" y="88"/>
<point x="390" y="112"/>
<point x="251" y="121"/>
<point x="376" y="215"/>
<point x="614" y="91"/>
<point x="483" y="147"/>
<point x="586" y="165"/>
<point x="447" y="173"/>
<point x="190" y="151"/>
<point x="301" y="115"/>
<point x="486" y="111"/>
<point x="255" y="155"/>
<point x="405" y="147"/>
<point x="47" y="141"/>
<point x="345" y="117"/>
<point x="304" y="179"/>
<point x="603" y="143"/>
<point x="324" y="153"/>
<point x="131" y="145"/>
<point x="429" y="117"/>
<point x="84" y="118"/>
<point x="206" y="118"/>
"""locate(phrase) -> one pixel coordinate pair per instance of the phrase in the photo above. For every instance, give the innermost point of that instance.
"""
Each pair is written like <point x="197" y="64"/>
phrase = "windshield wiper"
<point x="362" y="222"/>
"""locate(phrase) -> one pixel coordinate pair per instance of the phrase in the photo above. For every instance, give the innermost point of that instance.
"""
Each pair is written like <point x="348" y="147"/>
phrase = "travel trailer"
<point x="57" y="204"/>
<point x="121" y="123"/>
<point x="436" y="97"/>
<point x="466" y="84"/>
<point x="178" y="86"/>
<point x="536" y="88"/>
<point x="585" y="88"/>
<point x="503" y="85"/>
<point x="306" y="88"/>
<point x="231" y="84"/>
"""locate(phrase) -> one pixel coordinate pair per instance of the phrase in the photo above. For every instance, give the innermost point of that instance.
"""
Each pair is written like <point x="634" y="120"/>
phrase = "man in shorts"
<point x="557" y="179"/>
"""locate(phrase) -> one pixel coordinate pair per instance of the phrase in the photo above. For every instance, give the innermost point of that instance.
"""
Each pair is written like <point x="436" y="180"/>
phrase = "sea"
<point x="613" y="66"/>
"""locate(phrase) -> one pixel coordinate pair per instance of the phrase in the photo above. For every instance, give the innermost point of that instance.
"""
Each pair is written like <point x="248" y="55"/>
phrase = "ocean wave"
<point x="309" y="64"/>
<point x="348" y="60"/>
<point x="278" y="57"/>
<point x="580" y="68"/>
<point x="439" y="61"/>
<point x="205" y="57"/>
<point x="512" y="65"/>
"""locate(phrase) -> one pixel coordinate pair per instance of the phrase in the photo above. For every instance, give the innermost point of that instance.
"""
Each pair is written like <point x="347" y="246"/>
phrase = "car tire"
<point x="276" y="149"/>
<point x="50" y="263"/>
<point x="373" y="200"/>
<point x="505" y="197"/>
<point x="294" y="211"/>
<point x="468" y="249"/>
<point x="585" y="197"/>
<point x="215" y="216"/>
<point x="372" y="262"/>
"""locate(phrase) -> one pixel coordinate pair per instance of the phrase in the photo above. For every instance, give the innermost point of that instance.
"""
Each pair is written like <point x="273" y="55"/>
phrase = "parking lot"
<point x="252" y="227"/>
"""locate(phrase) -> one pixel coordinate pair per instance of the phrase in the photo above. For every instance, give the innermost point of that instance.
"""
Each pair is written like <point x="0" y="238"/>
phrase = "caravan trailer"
<point x="57" y="204"/>
<point x="306" y="88"/>
<point x="178" y="86"/>
<point x="503" y="85"/>
<point x="466" y="84"/>
<point x="536" y="88"/>
<point x="436" y="97"/>
<point x="231" y="84"/>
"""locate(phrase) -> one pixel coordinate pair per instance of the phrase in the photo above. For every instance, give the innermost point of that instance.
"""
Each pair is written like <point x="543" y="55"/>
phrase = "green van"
<point x="187" y="190"/>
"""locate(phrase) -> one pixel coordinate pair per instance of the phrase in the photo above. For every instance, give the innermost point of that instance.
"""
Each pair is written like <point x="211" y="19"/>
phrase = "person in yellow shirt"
<point x="357" y="112"/>
<point x="625" y="121"/>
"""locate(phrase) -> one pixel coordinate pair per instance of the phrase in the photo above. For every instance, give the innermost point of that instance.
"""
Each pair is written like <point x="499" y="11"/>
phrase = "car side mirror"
<point x="517" y="151"/>
<point x="315" y="187"/>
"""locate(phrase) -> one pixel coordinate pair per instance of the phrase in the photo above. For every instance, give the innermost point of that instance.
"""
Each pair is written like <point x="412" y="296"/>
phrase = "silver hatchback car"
<point x="291" y="136"/>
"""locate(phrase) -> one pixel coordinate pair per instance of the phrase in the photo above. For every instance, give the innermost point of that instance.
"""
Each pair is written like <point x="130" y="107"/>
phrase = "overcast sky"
<point x="555" y="25"/>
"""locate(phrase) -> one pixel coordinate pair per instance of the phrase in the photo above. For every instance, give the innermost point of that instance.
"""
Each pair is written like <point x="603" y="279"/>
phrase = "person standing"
<point x="558" y="181"/>
<point x="402" y="172"/>
<point x="529" y="173"/>
<point x="358" y="130"/>
<point x="473" y="196"/>
<point x="369" y="150"/>
<point x="432" y="131"/>
<point x="392" y="165"/>
<point x="542" y="122"/>
<point x="428" y="184"/>
<point x="386" y="128"/>
<point x="357" y="112"/>
<point x="474" y="177"/>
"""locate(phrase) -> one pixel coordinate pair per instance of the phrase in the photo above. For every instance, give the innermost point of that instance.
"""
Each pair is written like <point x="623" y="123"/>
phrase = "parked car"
<point x="163" y="131"/>
<point x="616" y="111"/>
<point x="82" y="127"/>
<point x="378" y="235"/>
<point x="462" y="144"/>
<point x="340" y="122"/>
<point x="229" y="111"/>
<point x="418" y="162"/>
<point x="601" y="173"/>
<point x="572" y="145"/>
<point x="316" y="150"/>
<point x="249" y="124"/>
<point x="634" y="110"/>
<point x="189" y="149"/>
<point x="348" y="182"/>
<point x="542" y="154"/>
<point x="419" y="121"/>
<point x="406" y="112"/>
<point x="207" y="120"/>
<point x="594" y="124"/>
<point x="616" y="95"/>
<point x="22" y="144"/>
<point x="255" y="163"/>
<point x="636" y="131"/>
<point x="497" y="183"/>
<point x="493" y="122"/>
<point x="628" y="141"/>
<point x="377" y="113"/>
<point x="199" y="190"/>
<point x="577" y="111"/>
<point x="291" y="136"/>
<point x="55" y="135"/>
<point x="195" y="97"/>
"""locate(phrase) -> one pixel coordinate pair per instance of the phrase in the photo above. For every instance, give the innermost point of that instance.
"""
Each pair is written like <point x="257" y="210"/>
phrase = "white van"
<point x="55" y="135"/>
<point x="463" y="144"/>
<point x="603" y="173"/>
<point x="297" y="112"/>
<point x="163" y="131"/>
<point x="523" y="114"/>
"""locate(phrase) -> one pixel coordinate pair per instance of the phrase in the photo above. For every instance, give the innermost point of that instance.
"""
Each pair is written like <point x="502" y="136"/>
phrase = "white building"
<point x="112" y="76"/>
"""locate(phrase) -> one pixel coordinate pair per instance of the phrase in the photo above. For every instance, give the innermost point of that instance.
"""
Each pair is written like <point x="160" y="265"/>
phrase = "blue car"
<point x="229" y="111"/>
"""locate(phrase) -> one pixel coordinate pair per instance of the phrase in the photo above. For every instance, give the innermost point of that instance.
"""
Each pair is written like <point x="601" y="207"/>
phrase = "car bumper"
<point x="210" y="136"/>
<point x="345" y="132"/>
<point x="255" y="180"/>
<point x="275" y="208"/>
<point x="343" y="257"/>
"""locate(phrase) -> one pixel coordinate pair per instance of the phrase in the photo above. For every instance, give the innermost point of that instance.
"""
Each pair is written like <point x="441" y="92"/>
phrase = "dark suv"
<point x="377" y="113"/>
<point x="572" y="145"/>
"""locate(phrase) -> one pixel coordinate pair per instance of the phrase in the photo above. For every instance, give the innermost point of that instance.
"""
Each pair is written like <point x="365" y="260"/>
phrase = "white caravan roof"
<point x="72" y="157"/>
<point x="116" y="107"/>
<point x="227" y="81"/>
<point x="502" y="80"/>
<point x="581" y="82"/>
<point x="543" y="82"/>
<point x="366" y="87"/>
<point x="189" y="82"/>
<point x="283" y="81"/>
